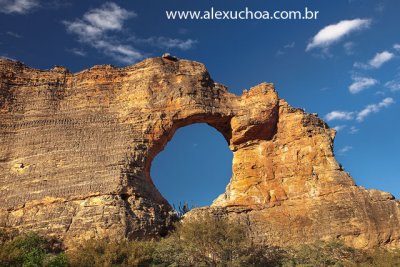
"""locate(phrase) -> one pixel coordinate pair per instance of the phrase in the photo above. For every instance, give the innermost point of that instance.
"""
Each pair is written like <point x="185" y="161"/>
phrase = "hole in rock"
<point x="124" y="196"/>
<point x="195" y="167"/>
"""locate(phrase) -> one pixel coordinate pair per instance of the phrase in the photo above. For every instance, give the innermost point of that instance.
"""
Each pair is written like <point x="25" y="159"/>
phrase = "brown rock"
<point x="76" y="151"/>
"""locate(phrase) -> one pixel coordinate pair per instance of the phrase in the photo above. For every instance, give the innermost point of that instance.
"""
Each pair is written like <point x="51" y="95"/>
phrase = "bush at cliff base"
<point x="201" y="242"/>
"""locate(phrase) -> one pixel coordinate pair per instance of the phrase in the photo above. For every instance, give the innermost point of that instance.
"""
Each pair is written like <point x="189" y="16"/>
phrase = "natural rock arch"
<point x="162" y="141"/>
<point x="82" y="171"/>
<point x="191" y="146"/>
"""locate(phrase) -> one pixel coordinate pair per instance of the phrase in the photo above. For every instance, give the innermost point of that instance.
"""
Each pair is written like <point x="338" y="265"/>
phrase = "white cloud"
<point x="361" y="65"/>
<point x="344" y="150"/>
<point x="380" y="59"/>
<point x="98" y="21"/>
<point x="339" y="115"/>
<point x="176" y="43"/>
<point x="377" y="61"/>
<point x="288" y="46"/>
<point x="393" y="85"/>
<point x="78" y="52"/>
<point x="96" y="25"/>
<point x="374" y="108"/>
<point x="396" y="47"/>
<point x="119" y="52"/>
<point x="14" y="34"/>
<point x="166" y="43"/>
<point x="109" y="16"/>
<point x="353" y="130"/>
<point x="335" y="32"/>
<point x="18" y="6"/>
<point x="361" y="115"/>
<point x="361" y="83"/>
<point x="98" y="28"/>
<point x="338" y="128"/>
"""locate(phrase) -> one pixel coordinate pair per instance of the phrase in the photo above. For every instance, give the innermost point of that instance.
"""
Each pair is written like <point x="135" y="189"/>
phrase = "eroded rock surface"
<point x="76" y="151"/>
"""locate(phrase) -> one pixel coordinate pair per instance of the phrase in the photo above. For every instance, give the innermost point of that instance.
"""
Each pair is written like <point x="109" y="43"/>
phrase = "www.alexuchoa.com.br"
<point x="245" y="14"/>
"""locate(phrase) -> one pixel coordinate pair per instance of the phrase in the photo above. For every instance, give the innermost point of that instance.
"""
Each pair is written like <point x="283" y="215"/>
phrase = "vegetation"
<point x="29" y="250"/>
<point x="336" y="254"/>
<point x="105" y="253"/>
<point x="182" y="209"/>
<point x="202" y="242"/>
<point x="210" y="242"/>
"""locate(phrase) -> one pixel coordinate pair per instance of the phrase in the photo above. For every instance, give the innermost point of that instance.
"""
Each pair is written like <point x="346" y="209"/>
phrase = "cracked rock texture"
<point x="76" y="151"/>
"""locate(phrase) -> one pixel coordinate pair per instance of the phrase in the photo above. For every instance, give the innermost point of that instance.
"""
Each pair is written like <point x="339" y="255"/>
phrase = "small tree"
<point x="210" y="241"/>
<point x="182" y="209"/>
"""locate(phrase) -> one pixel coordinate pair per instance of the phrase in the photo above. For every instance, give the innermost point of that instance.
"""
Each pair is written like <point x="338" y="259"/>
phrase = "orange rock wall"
<point x="76" y="152"/>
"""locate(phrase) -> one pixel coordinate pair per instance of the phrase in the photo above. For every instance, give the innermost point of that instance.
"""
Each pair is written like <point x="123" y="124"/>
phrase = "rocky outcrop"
<point x="76" y="151"/>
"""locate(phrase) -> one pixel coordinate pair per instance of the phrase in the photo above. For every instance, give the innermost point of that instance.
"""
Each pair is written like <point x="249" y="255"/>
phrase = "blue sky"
<point x="345" y="66"/>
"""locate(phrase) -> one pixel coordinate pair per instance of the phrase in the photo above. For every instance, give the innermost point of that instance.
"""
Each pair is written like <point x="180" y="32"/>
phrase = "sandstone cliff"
<point x="76" y="151"/>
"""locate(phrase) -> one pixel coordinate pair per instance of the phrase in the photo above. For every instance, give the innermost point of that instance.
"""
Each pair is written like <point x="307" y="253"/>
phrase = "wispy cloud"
<point x="344" y="150"/>
<point x="14" y="34"/>
<point x="361" y="83"/>
<point x="353" y="130"/>
<point x="290" y="45"/>
<point x="286" y="47"/>
<point x="18" y="6"/>
<point x="166" y="42"/>
<point x="359" y="115"/>
<point x="7" y="57"/>
<point x="374" y="108"/>
<point x="377" y="61"/>
<point x="349" y="48"/>
<point x="335" y="32"/>
<point x="78" y="52"/>
<point x="95" y="27"/>
<point x="338" y="128"/>
<point x="339" y="115"/>
<point x="393" y="85"/>
<point x="396" y="47"/>
<point x="99" y="28"/>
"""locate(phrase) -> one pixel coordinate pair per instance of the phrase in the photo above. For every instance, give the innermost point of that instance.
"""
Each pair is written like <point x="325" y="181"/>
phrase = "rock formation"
<point x="76" y="151"/>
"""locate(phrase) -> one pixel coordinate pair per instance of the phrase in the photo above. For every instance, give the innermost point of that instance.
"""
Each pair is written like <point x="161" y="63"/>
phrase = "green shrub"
<point x="56" y="260"/>
<point x="337" y="254"/>
<point x="204" y="242"/>
<point x="29" y="250"/>
<point x="319" y="254"/>
<point x="380" y="258"/>
<point x="106" y="253"/>
<point x="210" y="242"/>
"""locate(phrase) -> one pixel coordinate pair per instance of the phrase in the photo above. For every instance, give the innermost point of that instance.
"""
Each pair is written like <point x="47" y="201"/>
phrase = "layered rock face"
<point x="76" y="151"/>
